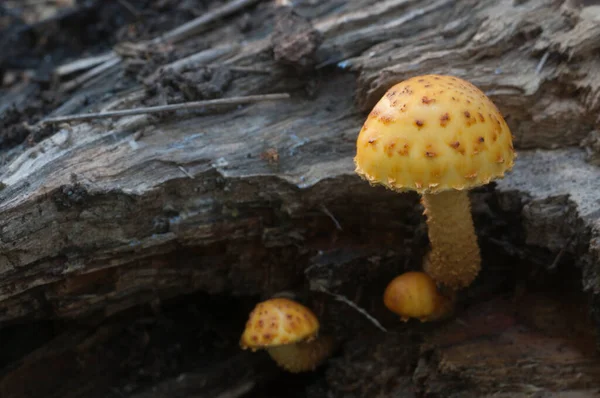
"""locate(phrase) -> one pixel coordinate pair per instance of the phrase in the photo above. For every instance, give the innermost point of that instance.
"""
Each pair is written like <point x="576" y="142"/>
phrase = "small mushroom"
<point x="415" y="295"/>
<point x="288" y="331"/>
<point x="455" y="136"/>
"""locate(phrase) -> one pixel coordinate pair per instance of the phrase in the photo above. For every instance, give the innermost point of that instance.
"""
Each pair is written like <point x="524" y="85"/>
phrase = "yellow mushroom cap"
<point x="433" y="133"/>
<point x="279" y="321"/>
<point x="414" y="295"/>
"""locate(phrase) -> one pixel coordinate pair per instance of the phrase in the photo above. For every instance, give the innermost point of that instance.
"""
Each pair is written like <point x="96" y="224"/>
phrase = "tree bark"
<point x="106" y="215"/>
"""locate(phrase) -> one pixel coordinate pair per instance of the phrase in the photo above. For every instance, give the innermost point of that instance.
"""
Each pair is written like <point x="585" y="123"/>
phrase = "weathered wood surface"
<point x="105" y="215"/>
<point x="105" y="201"/>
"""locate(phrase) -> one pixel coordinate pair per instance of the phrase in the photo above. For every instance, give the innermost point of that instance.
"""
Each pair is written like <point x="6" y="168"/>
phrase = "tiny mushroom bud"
<point x="439" y="136"/>
<point x="288" y="331"/>
<point x="415" y="295"/>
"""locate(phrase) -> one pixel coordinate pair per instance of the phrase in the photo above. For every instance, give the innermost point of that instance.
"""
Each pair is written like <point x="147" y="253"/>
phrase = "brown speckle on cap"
<point x="470" y="120"/>
<point x="444" y="119"/>
<point x="426" y="100"/>
<point x="430" y="154"/>
<point x="389" y="148"/>
<point x="419" y="123"/>
<point x="404" y="150"/>
<point x="481" y="118"/>
<point x="455" y="144"/>
<point x="480" y="139"/>
<point x="386" y="119"/>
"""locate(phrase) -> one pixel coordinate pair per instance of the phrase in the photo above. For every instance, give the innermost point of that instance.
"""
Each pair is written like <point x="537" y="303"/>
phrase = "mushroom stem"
<point x="304" y="356"/>
<point x="454" y="260"/>
<point x="444" y="309"/>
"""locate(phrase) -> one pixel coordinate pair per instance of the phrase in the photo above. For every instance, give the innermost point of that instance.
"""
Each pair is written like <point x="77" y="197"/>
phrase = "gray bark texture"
<point x="106" y="215"/>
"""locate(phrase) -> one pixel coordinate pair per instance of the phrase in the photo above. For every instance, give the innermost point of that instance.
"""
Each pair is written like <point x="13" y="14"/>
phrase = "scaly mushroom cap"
<point x="279" y="321"/>
<point x="433" y="133"/>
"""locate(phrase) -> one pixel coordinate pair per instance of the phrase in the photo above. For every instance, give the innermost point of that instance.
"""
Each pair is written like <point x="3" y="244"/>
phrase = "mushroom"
<point x="439" y="136"/>
<point x="288" y="331"/>
<point x="415" y="295"/>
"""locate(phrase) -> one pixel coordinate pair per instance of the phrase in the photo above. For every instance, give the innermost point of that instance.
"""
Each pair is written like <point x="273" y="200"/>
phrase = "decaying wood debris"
<point x="110" y="226"/>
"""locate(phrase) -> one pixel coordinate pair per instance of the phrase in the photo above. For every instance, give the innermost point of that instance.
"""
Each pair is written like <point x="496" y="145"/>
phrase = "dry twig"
<point x="171" y="107"/>
<point x="246" y="69"/>
<point x="325" y="210"/>
<point x="129" y="7"/>
<point x="196" y="25"/>
<point x="184" y="171"/>
<point x="83" y="63"/>
<point x="182" y="32"/>
<point x="200" y="58"/>
<point x="344" y="300"/>
<point x="109" y="63"/>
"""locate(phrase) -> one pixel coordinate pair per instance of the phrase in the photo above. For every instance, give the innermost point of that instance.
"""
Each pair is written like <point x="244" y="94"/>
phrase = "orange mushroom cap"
<point x="279" y="321"/>
<point x="415" y="295"/>
<point x="433" y="133"/>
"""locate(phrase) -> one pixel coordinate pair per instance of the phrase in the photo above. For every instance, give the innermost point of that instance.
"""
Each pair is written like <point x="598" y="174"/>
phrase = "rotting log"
<point x="96" y="196"/>
<point x="108" y="214"/>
